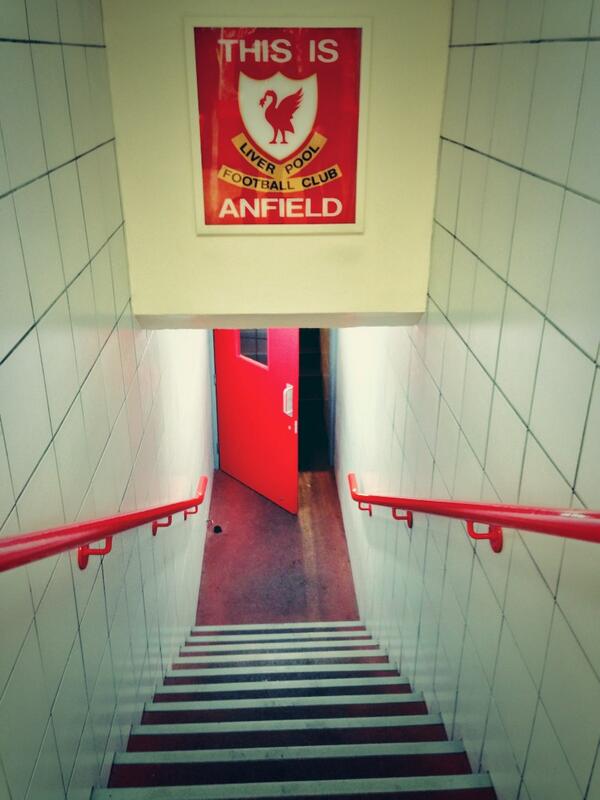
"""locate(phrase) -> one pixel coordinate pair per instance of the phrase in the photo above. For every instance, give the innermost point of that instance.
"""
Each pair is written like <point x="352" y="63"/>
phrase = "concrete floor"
<point x="270" y="566"/>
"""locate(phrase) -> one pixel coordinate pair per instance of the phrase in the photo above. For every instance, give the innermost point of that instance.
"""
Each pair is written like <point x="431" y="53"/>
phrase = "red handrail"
<point x="18" y="550"/>
<point x="570" y="524"/>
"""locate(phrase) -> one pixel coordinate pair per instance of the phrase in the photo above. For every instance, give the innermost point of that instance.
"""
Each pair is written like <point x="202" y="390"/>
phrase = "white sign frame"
<point x="202" y="229"/>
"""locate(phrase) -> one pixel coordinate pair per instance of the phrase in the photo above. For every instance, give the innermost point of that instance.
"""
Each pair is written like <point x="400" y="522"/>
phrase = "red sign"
<point x="279" y="110"/>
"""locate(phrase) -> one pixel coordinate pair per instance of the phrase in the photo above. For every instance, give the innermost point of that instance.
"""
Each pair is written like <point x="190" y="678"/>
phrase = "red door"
<point x="257" y="409"/>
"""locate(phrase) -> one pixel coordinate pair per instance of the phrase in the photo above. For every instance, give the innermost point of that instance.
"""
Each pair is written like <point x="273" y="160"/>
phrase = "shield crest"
<point x="278" y="113"/>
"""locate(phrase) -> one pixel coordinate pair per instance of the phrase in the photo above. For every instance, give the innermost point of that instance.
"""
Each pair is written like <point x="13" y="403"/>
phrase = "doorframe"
<point x="213" y="398"/>
<point x="333" y="351"/>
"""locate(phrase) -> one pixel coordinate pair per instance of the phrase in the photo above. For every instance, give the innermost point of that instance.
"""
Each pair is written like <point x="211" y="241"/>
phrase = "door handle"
<point x="288" y="400"/>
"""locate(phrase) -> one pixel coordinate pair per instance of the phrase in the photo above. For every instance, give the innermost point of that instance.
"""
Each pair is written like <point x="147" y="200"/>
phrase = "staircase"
<point x="289" y="710"/>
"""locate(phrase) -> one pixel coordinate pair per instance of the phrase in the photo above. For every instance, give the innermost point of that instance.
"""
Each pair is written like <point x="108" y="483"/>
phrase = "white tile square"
<point x="449" y="170"/>
<point x="464" y="16"/>
<point x="446" y="444"/>
<point x="575" y="288"/>
<point x="16" y="315"/>
<point x="70" y="15"/>
<point x="56" y="622"/>
<point x="482" y="102"/>
<point x="554" y="109"/>
<point x="460" y="303"/>
<point x="95" y="414"/>
<point x="70" y="709"/>
<point x="515" y="695"/>
<point x="527" y="589"/>
<point x="548" y="775"/>
<point x="536" y="232"/>
<point x="24" y="713"/>
<point x="92" y="22"/>
<point x="86" y="769"/>
<point x="120" y="268"/>
<point x="584" y="171"/>
<point x="594" y="790"/>
<point x="523" y="20"/>
<point x="453" y="371"/>
<point x="7" y="499"/>
<point x="484" y="620"/>
<point x="82" y="112"/>
<point x="54" y="107"/>
<point x="486" y="316"/>
<point x="513" y="101"/>
<point x="468" y="224"/>
<point x="127" y="349"/>
<point x="66" y="196"/>
<point x="43" y="20"/>
<point x="72" y="460"/>
<point x="477" y="401"/>
<point x="573" y="706"/>
<point x="491" y="18"/>
<point x="587" y="473"/>
<point x="35" y="215"/>
<point x="595" y="24"/>
<point x="456" y="100"/>
<point x="58" y="358"/>
<point x="93" y="204"/>
<point x="83" y="320"/>
<point x="565" y="20"/>
<point x="498" y="216"/>
<point x="100" y="93"/>
<point x="113" y="377"/>
<point x="103" y="294"/>
<point x="578" y="595"/>
<point x="542" y="485"/>
<point x="111" y="197"/>
<point x="469" y="473"/>
<point x="520" y="343"/>
<point x="472" y="702"/>
<point x="560" y="400"/>
<point x="16" y="613"/>
<point x="24" y="410"/>
<point x="13" y="19"/>
<point x="506" y="445"/>
<point x="20" y="116"/>
<point x="46" y="780"/>
<point x="497" y="757"/>
<point x="4" y="179"/>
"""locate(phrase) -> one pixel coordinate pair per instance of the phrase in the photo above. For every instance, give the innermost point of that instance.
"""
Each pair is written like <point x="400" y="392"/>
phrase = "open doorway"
<point x="314" y="400"/>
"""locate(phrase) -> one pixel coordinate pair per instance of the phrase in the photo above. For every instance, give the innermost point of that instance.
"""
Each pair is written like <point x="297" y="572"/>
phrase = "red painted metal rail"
<point x="18" y="550"/>
<point x="570" y="524"/>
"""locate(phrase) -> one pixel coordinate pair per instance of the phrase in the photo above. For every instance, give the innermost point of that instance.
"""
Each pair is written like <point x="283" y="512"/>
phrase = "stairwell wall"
<point x="96" y="415"/>
<point x="495" y="395"/>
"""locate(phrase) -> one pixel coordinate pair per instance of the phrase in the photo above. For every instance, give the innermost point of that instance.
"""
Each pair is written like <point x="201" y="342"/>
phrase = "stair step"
<point x="457" y="787"/>
<point x="217" y="675"/>
<point x="289" y="763"/>
<point x="247" y="638"/>
<point x="290" y="647"/>
<point x="285" y="708"/>
<point x="282" y="688"/>
<point x="310" y="656"/>
<point x="287" y="732"/>
<point x="282" y="627"/>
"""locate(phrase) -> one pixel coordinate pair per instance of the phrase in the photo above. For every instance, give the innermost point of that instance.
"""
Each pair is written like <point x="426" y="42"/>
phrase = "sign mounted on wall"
<point x="278" y="125"/>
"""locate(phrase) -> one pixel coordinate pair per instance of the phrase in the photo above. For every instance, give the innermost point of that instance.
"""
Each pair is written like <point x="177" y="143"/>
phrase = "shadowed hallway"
<point x="268" y="565"/>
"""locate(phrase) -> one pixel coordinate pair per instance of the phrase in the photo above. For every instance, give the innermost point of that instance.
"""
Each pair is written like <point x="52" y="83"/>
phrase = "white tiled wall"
<point x="95" y="416"/>
<point x="495" y="395"/>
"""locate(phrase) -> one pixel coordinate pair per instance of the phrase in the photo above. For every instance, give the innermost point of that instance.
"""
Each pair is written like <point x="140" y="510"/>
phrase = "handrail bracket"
<point x="408" y="516"/>
<point x="85" y="551"/>
<point x="494" y="535"/>
<point x="365" y="507"/>
<point x="158" y="524"/>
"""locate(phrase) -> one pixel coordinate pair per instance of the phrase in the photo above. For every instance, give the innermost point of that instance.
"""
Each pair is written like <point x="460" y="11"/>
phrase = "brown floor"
<point x="271" y="566"/>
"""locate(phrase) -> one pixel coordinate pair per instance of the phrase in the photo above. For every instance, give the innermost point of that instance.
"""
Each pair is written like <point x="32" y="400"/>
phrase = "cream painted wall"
<point x="378" y="276"/>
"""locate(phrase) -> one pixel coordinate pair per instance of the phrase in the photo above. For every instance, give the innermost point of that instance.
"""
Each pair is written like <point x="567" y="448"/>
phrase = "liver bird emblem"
<point x="279" y="115"/>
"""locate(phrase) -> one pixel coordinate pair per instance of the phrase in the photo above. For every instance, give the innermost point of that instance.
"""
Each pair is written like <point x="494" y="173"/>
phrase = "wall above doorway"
<point x="182" y="279"/>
